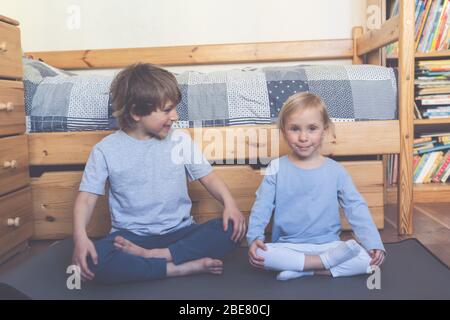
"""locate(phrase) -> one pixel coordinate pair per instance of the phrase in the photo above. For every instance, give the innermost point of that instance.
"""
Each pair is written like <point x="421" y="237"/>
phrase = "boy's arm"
<point x="82" y="213"/>
<point x="92" y="184"/>
<point x="83" y="209"/>
<point x="218" y="189"/>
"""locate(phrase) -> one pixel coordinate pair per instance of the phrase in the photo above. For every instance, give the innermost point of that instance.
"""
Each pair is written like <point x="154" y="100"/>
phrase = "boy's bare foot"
<point x="129" y="247"/>
<point x="204" y="265"/>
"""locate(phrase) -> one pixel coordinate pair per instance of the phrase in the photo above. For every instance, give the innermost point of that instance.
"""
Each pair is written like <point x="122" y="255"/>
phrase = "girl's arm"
<point x="217" y="188"/>
<point x="263" y="207"/>
<point x="358" y="214"/>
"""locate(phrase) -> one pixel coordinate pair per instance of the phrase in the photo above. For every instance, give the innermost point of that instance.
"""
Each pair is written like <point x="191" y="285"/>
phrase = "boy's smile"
<point x="157" y="124"/>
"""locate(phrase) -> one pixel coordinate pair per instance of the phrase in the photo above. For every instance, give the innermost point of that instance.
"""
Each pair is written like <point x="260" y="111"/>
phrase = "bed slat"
<point x="200" y="54"/>
<point x="372" y="138"/>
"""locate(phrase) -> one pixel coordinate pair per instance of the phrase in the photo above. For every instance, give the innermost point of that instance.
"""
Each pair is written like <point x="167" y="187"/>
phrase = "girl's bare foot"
<point x="204" y="265"/>
<point x="129" y="247"/>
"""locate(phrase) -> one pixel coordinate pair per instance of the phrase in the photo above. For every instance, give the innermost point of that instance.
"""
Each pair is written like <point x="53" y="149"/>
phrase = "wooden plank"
<point x="9" y="20"/>
<point x="12" y="107"/>
<point x="375" y="39"/>
<point x="53" y="200"/>
<point x="53" y="148"/>
<point x="432" y="121"/>
<point x="200" y="54"/>
<point x="427" y="55"/>
<point x="377" y="57"/>
<point x="423" y="193"/>
<point x="227" y="143"/>
<point x="14" y="170"/>
<point x="406" y="96"/>
<point x="10" y="52"/>
<point x="12" y="206"/>
<point x="54" y="194"/>
<point x="357" y="32"/>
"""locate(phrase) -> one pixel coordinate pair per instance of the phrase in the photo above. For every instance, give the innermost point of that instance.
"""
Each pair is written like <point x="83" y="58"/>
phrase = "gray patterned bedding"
<point x="56" y="100"/>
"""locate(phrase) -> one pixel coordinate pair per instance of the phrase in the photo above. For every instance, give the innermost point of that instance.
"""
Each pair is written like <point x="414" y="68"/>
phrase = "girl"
<point x="305" y="189"/>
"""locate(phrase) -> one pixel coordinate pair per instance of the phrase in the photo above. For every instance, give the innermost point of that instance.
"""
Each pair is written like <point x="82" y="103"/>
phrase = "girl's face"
<point x="304" y="131"/>
<point x="158" y="123"/>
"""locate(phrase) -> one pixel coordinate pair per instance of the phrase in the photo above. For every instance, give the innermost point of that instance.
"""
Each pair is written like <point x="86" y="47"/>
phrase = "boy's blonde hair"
<point x="140" y="89"/>
<point x="305" y="101"/>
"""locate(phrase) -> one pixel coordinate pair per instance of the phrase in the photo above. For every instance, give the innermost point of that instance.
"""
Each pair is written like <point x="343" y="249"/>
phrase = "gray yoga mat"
<point x="410" y="272"/>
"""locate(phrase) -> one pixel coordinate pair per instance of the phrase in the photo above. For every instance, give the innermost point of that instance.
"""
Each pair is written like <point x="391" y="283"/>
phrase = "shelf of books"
<point x="431" y="28"/>
<point x="431" y="169"/>
<point x="431" y="107"/>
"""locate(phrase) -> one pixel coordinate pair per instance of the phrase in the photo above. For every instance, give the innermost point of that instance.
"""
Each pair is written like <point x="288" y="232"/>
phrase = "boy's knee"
<point x="217" y="225"/>
<point x="104" y="248"/>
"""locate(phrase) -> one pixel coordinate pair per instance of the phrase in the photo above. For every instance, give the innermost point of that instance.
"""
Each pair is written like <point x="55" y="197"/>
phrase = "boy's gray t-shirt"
<point x="148" y="188"/>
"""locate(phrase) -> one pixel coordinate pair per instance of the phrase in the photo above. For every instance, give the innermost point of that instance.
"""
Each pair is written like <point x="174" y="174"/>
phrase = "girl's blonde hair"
<point x="305" y="101"/>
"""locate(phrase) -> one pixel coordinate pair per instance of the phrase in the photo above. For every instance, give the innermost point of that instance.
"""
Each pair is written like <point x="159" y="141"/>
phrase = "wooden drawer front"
<point x="10" y="52"/>
<point x="16" y="219"/>
<point x="13" y="163"/>
<point x="12" y="108"/>
<point x="54" y="195"/>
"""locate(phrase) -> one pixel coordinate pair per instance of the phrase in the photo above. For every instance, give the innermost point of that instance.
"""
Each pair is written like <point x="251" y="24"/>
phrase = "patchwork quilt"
<point x="56" y="100"/>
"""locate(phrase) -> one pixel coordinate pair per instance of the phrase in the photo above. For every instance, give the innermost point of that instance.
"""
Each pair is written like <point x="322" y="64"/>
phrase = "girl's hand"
<point x="84" y="248"/>
<point x="239" y="226"/>
<point x="254" y="259"/>
<point x="377" y="256"/>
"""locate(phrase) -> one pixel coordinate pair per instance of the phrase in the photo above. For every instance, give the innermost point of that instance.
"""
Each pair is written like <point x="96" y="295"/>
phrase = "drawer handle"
<point x="13" y="222"/>
<point x="9" y="106"/>
<point x="3" y="48"/>
<point x="10" y="164"/>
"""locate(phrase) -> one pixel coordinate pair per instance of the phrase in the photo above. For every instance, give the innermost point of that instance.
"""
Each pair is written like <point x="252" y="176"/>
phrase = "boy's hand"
<point x="240" y="228"/>
<point x="254" y="259"/>
<point x="84" y="248"/>
<point x="377" y="256"/>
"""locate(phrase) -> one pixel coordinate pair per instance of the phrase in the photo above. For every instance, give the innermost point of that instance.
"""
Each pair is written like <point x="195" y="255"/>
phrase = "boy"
<point x="153" y="235"/>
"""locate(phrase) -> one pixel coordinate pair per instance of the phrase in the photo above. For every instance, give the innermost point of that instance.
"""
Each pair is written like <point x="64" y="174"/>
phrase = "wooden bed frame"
<point x="54" y="192"/>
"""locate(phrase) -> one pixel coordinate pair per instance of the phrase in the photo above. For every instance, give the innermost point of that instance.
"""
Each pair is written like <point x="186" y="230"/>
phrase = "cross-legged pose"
<point x="303" y="191"/>
<point x="147" y="165"/>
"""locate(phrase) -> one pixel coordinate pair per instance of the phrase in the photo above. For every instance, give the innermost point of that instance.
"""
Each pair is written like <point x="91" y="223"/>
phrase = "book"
<point x="446" y="174"/>
<point x="426" y="167"/>
<point x="436" y="148"/>
<point x="419" y="167"/>
<point x="445" y="161"/>
<point x="421" y="140"/>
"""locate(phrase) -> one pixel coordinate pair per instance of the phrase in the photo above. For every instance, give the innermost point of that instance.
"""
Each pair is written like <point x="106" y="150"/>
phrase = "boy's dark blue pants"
<point x="190" y="243"/>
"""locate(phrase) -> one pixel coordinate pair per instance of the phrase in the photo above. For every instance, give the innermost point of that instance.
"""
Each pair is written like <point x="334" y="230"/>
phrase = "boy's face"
<point x="158" y="123"/>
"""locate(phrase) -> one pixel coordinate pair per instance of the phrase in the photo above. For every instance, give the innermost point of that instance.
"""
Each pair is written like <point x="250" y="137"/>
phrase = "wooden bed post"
<point x="377" y="11"/>
<point x="356" y="33"/>
<point x="405" y="115"/>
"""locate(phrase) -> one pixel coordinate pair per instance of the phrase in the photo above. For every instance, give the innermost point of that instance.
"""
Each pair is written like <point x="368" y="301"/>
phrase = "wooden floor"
<point x="431" y="227"/>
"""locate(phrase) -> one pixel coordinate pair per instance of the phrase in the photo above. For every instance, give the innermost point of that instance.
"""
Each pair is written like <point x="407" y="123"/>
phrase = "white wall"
<point x="46" y="24"/>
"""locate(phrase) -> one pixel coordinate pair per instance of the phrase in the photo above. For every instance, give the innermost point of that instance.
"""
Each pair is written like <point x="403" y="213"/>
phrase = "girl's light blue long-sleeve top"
<point x="305" y="205"/>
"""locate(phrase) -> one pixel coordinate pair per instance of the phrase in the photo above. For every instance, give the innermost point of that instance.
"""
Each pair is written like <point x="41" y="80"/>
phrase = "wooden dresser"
<point x="16" y="218"/>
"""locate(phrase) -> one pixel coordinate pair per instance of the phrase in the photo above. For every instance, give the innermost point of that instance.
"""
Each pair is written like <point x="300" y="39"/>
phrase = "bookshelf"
<point x="423" y="122"/>
<point x="426" y="192"/>
<point x="422" y="55"/>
